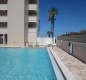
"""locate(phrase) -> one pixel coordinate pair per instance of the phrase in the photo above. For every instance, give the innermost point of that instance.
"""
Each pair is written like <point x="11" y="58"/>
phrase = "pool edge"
<point x="64" y="70"/>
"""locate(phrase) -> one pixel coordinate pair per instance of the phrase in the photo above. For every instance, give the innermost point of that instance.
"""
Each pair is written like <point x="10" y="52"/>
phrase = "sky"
<point x="71" y="17"/>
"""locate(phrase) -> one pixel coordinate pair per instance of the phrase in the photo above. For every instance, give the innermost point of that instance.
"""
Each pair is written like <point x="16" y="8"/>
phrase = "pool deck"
<point x="76" y="67"/>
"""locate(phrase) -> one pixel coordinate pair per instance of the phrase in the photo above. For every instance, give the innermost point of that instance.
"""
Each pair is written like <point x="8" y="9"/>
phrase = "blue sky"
<point x="71" y="17"/>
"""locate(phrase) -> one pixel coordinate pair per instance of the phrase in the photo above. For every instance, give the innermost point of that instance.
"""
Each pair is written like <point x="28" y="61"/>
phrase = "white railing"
<point x="3" y="6"/>
<point x="3" y="18"/>
<point x="3" y="30"/>
<point x="32" y="7"/>
<point x="32" y="19"/>
<point x="32" y="30"/>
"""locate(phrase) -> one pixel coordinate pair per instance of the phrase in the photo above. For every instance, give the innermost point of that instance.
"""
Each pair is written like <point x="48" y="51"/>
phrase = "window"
<point x="3" y="12"/>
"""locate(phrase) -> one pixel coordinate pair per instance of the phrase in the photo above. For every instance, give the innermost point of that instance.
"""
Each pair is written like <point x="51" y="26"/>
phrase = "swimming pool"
<point x="25" y="64"/>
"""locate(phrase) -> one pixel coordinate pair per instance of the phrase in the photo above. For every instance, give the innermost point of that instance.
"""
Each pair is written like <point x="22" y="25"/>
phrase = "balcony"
<point x="32" y="25"/>
<point x="3" y="12"/>
<point x="3" y="19"/>
<point x="32" y="13"/>
<point x="32" y="19"/>
<point x="32" y="7"/>
<point x="32" y="1"/>
<point x="3" y="24"/>
<point x="3" y="1"/>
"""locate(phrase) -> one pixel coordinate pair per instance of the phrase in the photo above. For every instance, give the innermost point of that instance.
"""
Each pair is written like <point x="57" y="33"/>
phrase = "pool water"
<point x="25" y="64"/>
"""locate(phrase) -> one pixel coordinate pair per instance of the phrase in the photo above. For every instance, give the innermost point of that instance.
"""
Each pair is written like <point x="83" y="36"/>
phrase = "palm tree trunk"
<point x="53" y="29"/>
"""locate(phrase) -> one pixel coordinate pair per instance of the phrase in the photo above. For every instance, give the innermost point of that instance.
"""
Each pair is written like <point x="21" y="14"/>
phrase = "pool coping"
<point x="64" y="70"/>
<point x="8" y="46"/>
<point x="57" y="71"/>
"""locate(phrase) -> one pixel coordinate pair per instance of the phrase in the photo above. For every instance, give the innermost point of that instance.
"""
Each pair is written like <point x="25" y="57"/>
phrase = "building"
<point x="19" y="22"/>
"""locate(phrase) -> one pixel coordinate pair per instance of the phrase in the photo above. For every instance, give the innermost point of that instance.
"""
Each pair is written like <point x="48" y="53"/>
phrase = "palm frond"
<point x="53" y="12"/>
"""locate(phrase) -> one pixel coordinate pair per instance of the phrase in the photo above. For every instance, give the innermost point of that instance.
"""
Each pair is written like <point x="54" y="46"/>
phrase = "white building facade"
<point x="19" y="22"/>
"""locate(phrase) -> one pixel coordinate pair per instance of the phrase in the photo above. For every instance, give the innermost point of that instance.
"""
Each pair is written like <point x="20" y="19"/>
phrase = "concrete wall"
<point x="78" y="49"/>
<point x="25" y="22"/>
<point x="45" y="41"/>
<point x="63" y="45"/>
<point x="38" y="17"/>
<point x="17" y="22"/>
<point x="79" y="52"/>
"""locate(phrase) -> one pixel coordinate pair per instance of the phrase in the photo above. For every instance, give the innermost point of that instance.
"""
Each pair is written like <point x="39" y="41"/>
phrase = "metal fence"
<point x="74" y="38"/>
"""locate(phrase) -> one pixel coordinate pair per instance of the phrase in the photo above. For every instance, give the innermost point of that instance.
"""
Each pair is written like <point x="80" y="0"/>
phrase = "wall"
<point x="79" y="52"/>
<point x="45" y="41"/>
<point x="17" y="24"/>
<point x="79" y="49"/>
<point x="25" y="21"/>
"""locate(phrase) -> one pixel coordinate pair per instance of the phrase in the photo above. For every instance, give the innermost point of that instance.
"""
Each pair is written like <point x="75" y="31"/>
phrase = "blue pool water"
<point x="25" y="64"/>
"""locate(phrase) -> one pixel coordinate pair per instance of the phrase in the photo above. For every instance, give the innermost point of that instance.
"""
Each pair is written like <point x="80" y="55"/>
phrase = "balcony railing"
<point x="32" y="7"/>
<point x="32" y="19"/>
<point x="32" y="30"/>
<point x="3" y="6"/>
<point x="3" y="19"/>
<point x="3" y="30"/>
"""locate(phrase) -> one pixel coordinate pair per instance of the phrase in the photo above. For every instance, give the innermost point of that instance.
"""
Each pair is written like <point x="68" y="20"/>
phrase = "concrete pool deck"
<point x="76" y="67"/>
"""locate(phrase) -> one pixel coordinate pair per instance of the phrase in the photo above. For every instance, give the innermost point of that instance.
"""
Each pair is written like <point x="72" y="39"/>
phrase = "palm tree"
<point x="49" y="33"/>
<point x="52" y="13"/>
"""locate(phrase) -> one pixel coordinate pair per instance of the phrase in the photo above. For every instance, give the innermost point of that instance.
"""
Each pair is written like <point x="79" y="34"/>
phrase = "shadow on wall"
<point x="76" y="49"/>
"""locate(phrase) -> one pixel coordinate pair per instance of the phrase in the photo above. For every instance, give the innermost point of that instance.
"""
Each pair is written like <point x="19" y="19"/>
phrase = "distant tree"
<point x="52" y="13"/>
<point x="49" y="33"/>
<point x="83" y="31"/>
